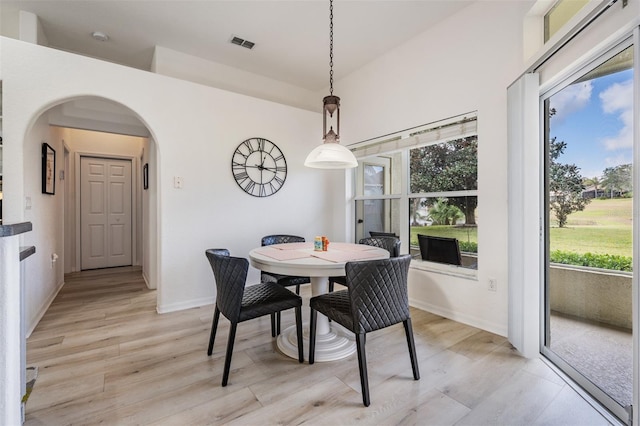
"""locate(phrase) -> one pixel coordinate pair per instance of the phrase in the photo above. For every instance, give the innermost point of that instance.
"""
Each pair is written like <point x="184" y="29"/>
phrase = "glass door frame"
<point x="604" y="399"/>
<point x="385" y="211"/>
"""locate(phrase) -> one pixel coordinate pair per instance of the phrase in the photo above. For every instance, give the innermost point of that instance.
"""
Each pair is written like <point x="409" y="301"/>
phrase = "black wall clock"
<point x="259" y="167"/>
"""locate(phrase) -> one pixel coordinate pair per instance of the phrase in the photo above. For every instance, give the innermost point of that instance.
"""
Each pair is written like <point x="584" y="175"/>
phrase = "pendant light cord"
<point x="331" y="46"/>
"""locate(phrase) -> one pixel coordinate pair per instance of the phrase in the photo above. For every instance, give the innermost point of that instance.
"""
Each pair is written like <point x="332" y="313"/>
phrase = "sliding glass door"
<point x="589" y="191"/>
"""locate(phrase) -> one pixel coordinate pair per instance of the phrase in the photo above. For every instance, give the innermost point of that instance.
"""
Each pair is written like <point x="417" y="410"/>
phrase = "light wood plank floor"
<point x="106" y="357"/>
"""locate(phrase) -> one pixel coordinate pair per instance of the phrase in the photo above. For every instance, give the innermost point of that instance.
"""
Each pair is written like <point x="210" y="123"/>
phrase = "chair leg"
<point x="312" y="336"/>
<point x="362" y="365"/>
<point x="214" y="327"/>
<point x="227" y="359"/>
<point x="412" y="348"/>
<point x="298" y="289"/>
<point x="299" y="332"/>
<point x="273" y="325"/>
<point x="330" y="289"/>
<point x="278" y="323"/>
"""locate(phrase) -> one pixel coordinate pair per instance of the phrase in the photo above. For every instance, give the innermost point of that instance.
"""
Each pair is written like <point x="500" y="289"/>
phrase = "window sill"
<point x="452" y="270"/>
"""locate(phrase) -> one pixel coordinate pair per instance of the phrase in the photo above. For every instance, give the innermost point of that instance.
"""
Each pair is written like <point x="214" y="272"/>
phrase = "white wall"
<point x="463" y="64"/>
<point x="31" y="29"/>
<point x="187" y="67"/>
<point x="196" y="129"/>
<point x="43" y="278"/>
<point x="148" y="213"/>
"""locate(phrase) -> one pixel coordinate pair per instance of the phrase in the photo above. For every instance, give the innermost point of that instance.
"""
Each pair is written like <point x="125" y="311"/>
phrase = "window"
<point x="442" y="203"/>
<point x="423" y="180"/>
<point x="561" y="12"/>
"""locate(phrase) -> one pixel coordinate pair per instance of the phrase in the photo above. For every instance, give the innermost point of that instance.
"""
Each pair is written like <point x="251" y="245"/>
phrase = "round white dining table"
<point x="333" y="342"/>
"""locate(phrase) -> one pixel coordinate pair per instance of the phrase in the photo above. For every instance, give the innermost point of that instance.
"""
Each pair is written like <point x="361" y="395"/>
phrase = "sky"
<point x="595" y="119"/>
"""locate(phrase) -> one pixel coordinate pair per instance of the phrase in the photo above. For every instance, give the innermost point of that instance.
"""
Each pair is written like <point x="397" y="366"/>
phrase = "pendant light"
<point x="331" y="155"/>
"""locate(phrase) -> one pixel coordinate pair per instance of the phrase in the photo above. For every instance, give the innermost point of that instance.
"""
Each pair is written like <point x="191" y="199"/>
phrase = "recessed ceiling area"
<point x="291" y="37"/>
<point x="98" y="114"/>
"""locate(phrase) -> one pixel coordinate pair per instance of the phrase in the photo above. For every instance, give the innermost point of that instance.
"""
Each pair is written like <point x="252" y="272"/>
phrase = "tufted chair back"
<point x="378" y="292"/>
<point x="281" y="239"/>
<point x="284" y="280"/>
<point x="391" y="244"/>
<point x="230" y="274"/>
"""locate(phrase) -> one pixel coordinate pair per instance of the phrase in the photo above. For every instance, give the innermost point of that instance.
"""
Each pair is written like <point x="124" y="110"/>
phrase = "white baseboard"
<point x="146" y="281"/>
<point x="498" y="329"/>
<point x="195" y="303"/>
<point x="43" y="309"/>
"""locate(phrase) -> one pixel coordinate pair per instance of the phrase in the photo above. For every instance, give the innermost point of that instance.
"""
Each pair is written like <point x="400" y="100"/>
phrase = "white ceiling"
<point x="291" y="37"/>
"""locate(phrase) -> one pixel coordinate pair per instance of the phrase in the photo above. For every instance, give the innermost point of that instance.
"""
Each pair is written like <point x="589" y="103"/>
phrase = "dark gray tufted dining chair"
<point x="376" y="297"/>
<point x="239" y="303"/>
<point x="283" y="280"/>
<point x="391" y="244"/>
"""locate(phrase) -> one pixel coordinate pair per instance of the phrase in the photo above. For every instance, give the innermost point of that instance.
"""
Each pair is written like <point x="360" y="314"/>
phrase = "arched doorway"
<point x="77" y="128"/>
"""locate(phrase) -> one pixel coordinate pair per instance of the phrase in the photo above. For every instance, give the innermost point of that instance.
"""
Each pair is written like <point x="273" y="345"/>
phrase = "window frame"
<point x="591" y="62"/>
<point x="369" y="149"/>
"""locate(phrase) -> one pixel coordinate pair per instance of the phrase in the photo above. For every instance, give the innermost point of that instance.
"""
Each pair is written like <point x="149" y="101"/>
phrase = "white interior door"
<point x="105" y="212"/>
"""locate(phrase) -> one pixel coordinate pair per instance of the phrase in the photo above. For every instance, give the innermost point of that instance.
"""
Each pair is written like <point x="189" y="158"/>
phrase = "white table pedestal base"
<point x="333" y="341"/>
<point x="338" y="343"/>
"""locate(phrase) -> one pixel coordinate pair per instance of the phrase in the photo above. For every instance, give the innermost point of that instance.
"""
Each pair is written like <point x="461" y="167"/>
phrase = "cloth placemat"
<point x="274" y="253"/>
<point x="292" y="246"/>
<point x="344" y="256"/>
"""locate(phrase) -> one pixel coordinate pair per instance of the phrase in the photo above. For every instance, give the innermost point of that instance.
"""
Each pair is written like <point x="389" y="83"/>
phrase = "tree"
<point x="415" y="215"/>
<point x="617" y="179"/>
<point x="442" y="213"/>
<point x="448" y="166"/>
<point x="565" y="185"/>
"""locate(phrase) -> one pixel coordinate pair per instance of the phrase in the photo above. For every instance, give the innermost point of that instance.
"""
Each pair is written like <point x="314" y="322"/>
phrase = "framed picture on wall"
<point x="145" y="176"/>
<point x="48" y="169"/>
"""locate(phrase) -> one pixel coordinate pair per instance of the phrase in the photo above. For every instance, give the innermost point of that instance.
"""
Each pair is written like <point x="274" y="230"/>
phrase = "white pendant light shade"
<point x="331" y="155"/>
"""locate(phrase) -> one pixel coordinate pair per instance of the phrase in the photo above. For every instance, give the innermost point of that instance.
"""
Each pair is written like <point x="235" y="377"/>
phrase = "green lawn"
<point x="467" y="233"/>
<point x="604" y="227"/>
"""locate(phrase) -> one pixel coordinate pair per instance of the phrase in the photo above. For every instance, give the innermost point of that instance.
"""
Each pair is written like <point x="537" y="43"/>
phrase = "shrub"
<point x="468" y="246"/>
<point x="604" y="261"/>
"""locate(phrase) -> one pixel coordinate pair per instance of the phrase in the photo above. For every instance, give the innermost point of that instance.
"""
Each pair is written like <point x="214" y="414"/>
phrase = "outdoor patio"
<point x="601" y="352"/>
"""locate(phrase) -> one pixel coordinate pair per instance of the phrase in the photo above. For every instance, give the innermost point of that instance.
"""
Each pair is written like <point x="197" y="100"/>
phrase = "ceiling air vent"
<point x="242" y="42"/>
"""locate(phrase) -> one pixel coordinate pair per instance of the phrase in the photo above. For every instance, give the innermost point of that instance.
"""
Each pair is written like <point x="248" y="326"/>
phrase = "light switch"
<point x="177" y="182"/>
<point x="27" y="203"/>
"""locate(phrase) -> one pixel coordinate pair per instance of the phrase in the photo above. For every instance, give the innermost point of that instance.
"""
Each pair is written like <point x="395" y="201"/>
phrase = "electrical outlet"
<point x="177" y="182"/>
<point x="493" y="284"/>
